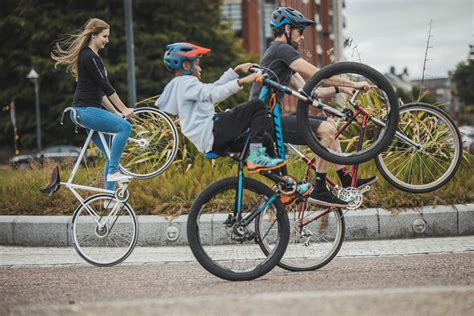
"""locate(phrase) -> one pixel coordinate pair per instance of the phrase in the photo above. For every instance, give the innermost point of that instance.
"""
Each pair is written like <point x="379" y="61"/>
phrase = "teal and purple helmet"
<point x="286" y="15"/>
<point x="177" y="53"/>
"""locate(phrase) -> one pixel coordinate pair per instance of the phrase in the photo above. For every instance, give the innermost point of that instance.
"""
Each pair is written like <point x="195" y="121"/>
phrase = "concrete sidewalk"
<point x="67" y="256"/>
<point x="364" y="224"/>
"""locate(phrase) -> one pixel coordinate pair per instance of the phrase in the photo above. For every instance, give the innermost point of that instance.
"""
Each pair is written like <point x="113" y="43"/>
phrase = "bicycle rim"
<point x="221" y="246"/>
<point x="157" y="144"/>
<point x="374" y="114"/>
<point x="426" y="169"/>
<point x="315" y="244"/>
<point x="104" y="236"/>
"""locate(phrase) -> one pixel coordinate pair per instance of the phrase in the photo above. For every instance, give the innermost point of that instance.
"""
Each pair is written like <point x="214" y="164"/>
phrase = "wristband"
<point x="336" y="88"/>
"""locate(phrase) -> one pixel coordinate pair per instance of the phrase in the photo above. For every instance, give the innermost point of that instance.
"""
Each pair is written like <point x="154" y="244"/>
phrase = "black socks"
<point x="345" y="177"/>
<point x="320" y="184"/>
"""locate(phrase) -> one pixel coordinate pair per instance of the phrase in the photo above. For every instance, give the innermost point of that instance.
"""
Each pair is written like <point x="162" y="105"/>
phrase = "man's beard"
<point x="295" y="45"/>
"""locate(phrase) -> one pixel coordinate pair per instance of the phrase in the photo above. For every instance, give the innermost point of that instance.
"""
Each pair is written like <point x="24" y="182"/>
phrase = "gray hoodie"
<point x="193" y="101"/>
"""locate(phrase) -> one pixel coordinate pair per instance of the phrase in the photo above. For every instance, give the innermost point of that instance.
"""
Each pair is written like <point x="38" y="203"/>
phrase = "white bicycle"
<point x="104" y="226"/>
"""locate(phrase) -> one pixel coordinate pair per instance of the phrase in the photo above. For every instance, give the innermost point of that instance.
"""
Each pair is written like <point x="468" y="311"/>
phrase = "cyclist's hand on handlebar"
<point x="363" y="85"/>
<point x="127" y="113"/>
<point x="249" y="79"/>
<point x="347" y="90"/>
<point x="243" y="68"/>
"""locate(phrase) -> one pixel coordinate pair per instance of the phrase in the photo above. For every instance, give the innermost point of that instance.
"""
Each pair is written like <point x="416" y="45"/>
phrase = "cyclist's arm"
<point x="96" y="71"/>
<point x="297" y="82"/>
<point x="109" y="106"/>
<point x="229" y="75"/>
<point x="208" y="92"/>
<point x="307" y="70"/>
<point x="119" y="104"/>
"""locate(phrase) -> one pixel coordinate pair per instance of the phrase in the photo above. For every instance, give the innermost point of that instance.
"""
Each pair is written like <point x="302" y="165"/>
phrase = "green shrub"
<point x="173" y="192"/>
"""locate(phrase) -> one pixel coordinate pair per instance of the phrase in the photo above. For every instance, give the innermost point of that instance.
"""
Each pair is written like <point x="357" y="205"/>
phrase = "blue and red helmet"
<point x="176" y="53"/>
<point x="290" y="16"/>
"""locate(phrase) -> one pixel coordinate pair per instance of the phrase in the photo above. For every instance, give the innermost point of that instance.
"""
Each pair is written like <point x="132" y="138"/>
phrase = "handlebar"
<point x="300" y="94"/>
<point x="256" y="69"/>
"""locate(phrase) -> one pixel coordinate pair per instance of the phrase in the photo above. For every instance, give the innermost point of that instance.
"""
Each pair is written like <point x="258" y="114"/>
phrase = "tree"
<point x="28" y="30"/>
<point x="463" y="78"/>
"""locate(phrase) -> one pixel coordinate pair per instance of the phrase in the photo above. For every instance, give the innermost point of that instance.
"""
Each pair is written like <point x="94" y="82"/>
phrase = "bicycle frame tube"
<point x="240" y="186"/>
<point x="398" y="135"/>
<point x="254" y="214"/>
<point x="276" y="117"/>
<point x="74" y="187"/>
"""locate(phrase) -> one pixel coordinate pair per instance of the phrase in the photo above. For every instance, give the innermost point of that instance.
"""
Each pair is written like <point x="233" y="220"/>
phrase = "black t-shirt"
<point x="92" y="81"/>
<point x="277" y="57"/>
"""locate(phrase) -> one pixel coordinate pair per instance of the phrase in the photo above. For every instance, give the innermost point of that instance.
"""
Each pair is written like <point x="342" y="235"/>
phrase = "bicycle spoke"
<point x="106" y="244"/>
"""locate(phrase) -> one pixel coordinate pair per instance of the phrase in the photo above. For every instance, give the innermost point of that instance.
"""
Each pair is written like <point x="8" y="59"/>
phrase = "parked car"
<point x="467" y="135"/>
<point x="57" y="153"/>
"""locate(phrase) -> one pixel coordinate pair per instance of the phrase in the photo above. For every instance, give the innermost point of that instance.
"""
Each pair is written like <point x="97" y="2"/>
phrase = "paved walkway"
<point x="49" y="256"/>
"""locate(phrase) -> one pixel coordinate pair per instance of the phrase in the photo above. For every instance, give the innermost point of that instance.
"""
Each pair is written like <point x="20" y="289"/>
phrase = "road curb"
<point x="364" y="224"/>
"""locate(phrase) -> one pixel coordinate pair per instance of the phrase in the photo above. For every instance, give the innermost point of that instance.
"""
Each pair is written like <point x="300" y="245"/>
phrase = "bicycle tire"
<point x="159" y="150"/>
<point x="407" y="125"/>
<point x="85" y="225"/>
<point x="203" y="247"/>
<point x="320" y="249"/>
<point x="391" y="121"/>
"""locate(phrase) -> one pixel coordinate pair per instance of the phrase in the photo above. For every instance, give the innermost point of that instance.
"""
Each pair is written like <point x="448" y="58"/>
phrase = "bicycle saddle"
<point x="74" y="118"/>
<point x="53" y="184"/>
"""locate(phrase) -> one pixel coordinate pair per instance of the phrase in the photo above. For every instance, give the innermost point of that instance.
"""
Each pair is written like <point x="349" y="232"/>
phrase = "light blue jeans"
<point x="101" y="120"/>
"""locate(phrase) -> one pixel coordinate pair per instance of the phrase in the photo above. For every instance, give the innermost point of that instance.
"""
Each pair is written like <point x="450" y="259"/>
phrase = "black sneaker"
<point x="363" y="182"/>
<point x="326" y="198"/>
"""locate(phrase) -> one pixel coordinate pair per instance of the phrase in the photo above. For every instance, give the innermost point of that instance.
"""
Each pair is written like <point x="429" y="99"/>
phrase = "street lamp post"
<point x="34" y="76"/>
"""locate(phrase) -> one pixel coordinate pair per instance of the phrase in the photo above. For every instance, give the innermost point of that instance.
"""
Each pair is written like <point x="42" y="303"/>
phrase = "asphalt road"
<point x="437" y="284"/>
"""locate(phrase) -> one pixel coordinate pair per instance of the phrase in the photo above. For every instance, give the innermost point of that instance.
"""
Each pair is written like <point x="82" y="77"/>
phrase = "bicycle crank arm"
<point x="141" y="142"/>
<point x="365" y="189"/>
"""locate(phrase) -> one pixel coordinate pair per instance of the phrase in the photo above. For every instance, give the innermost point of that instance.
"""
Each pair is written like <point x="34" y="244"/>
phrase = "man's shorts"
<point x="291" y="132"/>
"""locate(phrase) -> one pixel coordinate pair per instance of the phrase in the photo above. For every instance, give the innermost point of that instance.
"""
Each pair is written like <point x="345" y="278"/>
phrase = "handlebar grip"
<point x="255" y="69"/>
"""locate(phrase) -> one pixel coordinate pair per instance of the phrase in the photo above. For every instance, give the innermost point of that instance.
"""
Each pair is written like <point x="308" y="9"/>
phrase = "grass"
<point x="172" y="193"/>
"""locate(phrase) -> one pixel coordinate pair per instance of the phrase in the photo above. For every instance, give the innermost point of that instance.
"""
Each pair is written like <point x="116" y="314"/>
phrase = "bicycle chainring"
<point x="351" y="195"/>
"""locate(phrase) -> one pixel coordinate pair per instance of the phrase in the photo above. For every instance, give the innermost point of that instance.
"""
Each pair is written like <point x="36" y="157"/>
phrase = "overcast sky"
<point x="394" y="32"/>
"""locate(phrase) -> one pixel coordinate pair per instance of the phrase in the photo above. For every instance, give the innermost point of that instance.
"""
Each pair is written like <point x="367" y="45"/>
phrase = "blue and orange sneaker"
<point x="259" y="161"/>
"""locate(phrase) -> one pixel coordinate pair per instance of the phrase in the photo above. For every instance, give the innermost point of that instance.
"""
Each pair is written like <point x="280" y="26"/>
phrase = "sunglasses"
<point x="300" y="31"/>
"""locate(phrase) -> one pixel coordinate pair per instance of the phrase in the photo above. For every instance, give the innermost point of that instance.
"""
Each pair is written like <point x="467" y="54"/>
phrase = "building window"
<point x="233" y="12"/>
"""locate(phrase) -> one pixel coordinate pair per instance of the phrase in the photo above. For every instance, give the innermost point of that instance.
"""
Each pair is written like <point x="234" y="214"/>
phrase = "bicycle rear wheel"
<point x="219" y="241"/>
<point x="426" y="169"/>
<point x="152" y="145"/>
<point x="368" y="123"/>
<point x="312" y="244"/>
<point x="104" y="236"/>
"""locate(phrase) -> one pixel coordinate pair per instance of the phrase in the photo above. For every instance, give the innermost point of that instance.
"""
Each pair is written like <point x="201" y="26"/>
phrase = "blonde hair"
<point x="66" y="52"/>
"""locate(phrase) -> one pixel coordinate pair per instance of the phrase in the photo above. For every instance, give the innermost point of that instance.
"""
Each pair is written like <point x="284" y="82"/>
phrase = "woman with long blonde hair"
<point x="80" y="53"/>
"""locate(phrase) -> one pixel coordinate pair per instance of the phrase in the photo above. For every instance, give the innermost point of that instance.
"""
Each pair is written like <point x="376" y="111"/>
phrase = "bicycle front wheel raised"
<point x="316" y="236"/>
<point x="434" y="163"/>
<point x="364" y="123"/>
<point x="152" y="145"/>
<point x="102" y="235"/>
<point x="220" y="241"/>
